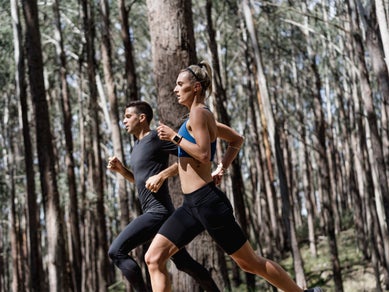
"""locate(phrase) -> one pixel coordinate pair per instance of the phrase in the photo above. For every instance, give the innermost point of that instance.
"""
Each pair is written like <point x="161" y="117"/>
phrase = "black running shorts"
<point x="209" y="209"/>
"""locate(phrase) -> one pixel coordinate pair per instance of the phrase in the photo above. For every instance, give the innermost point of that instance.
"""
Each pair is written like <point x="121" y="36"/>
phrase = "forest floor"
<point x="357" y="274"/>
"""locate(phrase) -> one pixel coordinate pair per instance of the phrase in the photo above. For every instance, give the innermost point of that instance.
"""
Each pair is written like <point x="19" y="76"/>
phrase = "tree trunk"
<point x="373" y="142"/>
<point x="132" y="87"/>
<point x="3" y="271"/>
<point x="35" y="254"/>
<point x="173" y="48"/>
<point x="306" y="177"/>
<point x="325" y="180"/>
<point x="264" y="102"/>
<point x="14" y="229"/>
<point x="75" y="241"/>
<point x="113" y="109"/>
<point x="383" y="27"/>
<point x="58" y="277"/>
<point x="96" y="173"/>
<point x="222" y="115"/>
<point x="376" y="47"/>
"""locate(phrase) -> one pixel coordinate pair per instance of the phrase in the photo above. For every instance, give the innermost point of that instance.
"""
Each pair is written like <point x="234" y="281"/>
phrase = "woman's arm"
<point x="199" y="119"/>
<point x="235" y="141"/>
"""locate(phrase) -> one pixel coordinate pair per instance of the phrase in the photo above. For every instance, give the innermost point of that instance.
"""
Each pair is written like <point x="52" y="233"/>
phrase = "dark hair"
<point x="202" y="73"/>
<point x="142" y="107"/>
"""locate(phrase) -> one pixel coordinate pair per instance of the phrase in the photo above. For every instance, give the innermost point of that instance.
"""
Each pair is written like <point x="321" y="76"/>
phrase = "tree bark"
<point x="373" y="141"/>
<point x="75" y="254"/>
<point x="3" y="270"/>
<point x="58" y="277"/>
<point x="270" y="127"/>
<point x="95" y="175"/>
<point x="325" y="180"/>
<point x="35" y="253"/>
<point x="223" y="117"/>
<point x="382" y="18"/>
<point x="113" y="109"/>
<point x="173" y="48"/>
<point x="132" y="87"/>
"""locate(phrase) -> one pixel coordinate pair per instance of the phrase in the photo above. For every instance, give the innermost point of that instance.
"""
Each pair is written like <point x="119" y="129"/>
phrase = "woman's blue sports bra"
<point x="183" y="131"/>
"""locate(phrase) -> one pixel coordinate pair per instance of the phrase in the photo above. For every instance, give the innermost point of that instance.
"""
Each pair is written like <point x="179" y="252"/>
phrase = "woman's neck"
<point x="197" y="103"/>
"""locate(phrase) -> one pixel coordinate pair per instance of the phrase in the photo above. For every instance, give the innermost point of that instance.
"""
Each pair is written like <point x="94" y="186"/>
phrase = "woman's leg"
<point x="177" y="231"/>
<point x="250" y="262"/>
<point x="218" y="218"/>
<point x="159" y="252"/>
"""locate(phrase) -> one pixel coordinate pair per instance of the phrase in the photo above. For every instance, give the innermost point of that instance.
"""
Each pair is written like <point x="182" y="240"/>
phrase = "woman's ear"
<point x="197" y="86"/>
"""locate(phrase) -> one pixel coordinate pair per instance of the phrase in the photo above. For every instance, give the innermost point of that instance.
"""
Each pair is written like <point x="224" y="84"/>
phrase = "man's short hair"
<point x="142" y="107"/>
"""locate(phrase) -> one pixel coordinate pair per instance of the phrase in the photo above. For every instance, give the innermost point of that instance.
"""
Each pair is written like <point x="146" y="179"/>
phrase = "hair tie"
<point x="201" y="65"/>
<point x="194" y="74"/>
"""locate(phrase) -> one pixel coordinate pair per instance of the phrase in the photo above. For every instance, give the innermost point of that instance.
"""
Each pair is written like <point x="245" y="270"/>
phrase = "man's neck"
<point x="143" y="133"/>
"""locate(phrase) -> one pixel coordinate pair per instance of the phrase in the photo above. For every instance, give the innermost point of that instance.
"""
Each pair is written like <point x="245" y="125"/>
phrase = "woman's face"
<point x="184" y="89"/>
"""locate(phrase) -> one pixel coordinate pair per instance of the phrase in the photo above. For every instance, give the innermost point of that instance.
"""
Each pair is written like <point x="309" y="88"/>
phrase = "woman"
<point x="205" y="207"/>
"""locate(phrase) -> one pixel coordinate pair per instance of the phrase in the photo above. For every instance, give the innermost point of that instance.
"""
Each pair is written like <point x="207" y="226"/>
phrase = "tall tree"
<point x="173" y="48"/>
<point x="35" y="253"/>
<point x="273" y="135"/>
<point x="223" y="117"/>
<point x="95" y="170"/>
<point x="382" y="20"/>
<point x="75" y="241"/>
<point x="113" y="107"/>
<point x="58" y="277"/>
<point x="320" y="143"/>
<point x="380" y="188"/>
<point x="131" y="86"/>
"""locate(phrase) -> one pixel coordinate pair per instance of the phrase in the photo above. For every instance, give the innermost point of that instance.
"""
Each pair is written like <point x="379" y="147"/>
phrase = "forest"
<point x="305" y="82"/>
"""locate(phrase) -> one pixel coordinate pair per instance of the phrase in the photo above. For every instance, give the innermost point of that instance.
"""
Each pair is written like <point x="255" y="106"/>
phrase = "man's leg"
<point x="136" y="233"/>
<point x="184" y="262"/>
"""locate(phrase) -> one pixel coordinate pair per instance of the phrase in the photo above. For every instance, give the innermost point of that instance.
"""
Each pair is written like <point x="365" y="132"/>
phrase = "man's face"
<point x="131" y="120"/>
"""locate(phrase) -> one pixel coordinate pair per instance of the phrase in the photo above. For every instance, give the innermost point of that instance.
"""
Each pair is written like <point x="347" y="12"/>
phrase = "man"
<point x="149" y="164"/>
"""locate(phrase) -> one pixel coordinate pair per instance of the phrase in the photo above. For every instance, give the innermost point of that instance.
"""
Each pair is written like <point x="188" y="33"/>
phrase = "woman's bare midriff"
<point x="193" y="174"/>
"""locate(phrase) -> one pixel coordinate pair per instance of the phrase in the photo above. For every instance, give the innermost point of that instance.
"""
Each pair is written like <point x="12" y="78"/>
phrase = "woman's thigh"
<point x="181" y="227"/>
<point x="216" y="215"/>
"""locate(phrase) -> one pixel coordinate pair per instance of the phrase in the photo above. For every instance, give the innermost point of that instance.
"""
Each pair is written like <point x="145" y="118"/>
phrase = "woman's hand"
<point x="165" y="132"/>
<point x="218" y="173"/>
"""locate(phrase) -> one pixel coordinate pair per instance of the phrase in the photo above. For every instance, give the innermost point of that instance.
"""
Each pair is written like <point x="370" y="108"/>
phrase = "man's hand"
<point x="114" y="164"/>
<point x="154" y="183"/>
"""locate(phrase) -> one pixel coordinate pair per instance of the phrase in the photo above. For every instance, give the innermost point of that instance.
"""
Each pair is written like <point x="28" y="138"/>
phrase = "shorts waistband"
<point x="206" y="186"/>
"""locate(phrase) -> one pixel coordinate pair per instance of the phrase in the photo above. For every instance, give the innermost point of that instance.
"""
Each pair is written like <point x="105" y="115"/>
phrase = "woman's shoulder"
<point x="201" y="112"/>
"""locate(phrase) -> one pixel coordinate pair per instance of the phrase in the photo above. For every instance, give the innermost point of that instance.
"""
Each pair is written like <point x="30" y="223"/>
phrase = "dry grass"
<point x="357" y="274"/>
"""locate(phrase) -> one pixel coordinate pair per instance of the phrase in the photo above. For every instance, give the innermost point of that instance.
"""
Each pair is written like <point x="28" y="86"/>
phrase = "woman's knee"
<point x="158" y="253"/>
<point x="248" y="260"/>
<point x="247" y="267"/>
<point x="153" y="259"/>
